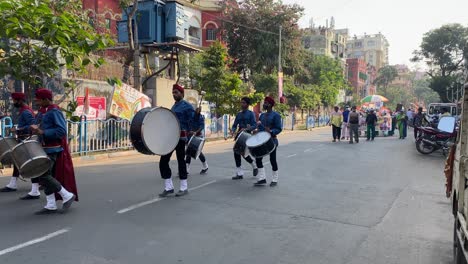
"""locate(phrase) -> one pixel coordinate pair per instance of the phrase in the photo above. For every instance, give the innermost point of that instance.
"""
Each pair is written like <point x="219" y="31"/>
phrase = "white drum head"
<point x="160" y="131"/>
<point x="258" y="139"/>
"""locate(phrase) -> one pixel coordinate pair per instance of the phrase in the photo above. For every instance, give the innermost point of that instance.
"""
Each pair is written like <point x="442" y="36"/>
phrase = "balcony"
<point x="194" y="40"/>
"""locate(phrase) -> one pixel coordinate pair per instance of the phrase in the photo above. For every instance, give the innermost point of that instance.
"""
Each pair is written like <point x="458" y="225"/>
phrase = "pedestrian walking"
<point x="336" y="121"/>
<point x="353" y="125"/>
<point x="401" y="122"/>
<point x="345" y="127"/>
<point x="371" y="121"/>
<point x="417" y="122"/>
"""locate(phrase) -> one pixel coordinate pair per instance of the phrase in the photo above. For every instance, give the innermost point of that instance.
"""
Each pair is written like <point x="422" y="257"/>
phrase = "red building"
<point x="103" y="14"/>
<point x="357" y="76"/>
<point x="211" y="30"/>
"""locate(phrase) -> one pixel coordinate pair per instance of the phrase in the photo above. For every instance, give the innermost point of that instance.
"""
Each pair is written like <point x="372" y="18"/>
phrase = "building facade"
<point x="326" y="40"/>
<point x="371" y="48"/>
<point x="357" y="76"/>
<point x="103" y="14"/>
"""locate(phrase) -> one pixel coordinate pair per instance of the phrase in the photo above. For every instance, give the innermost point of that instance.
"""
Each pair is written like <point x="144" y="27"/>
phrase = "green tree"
<point x="251" y="29"/>
<point x="385" y="76"/>
<point x="39" y="37"/>
<point x="442" y="49"/>
<point x="223" y="87"/>
<point x="130" y="8"/>
<point x="424" y="93"/>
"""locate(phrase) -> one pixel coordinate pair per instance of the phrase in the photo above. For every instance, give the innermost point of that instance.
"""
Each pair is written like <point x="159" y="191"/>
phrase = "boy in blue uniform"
<point x="25" y="119"/>
<point x="197" y="124"/>
<point x="184" y="112"/>
<point x="245" y="120"/>
<point x="270" y="121"/>
<point x="60" y="178"/>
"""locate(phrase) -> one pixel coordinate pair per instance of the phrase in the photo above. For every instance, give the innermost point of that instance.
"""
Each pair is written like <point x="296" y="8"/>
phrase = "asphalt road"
<point x="372" y="202"/>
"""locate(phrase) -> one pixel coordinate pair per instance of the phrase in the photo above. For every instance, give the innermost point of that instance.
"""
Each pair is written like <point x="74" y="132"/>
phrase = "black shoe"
<point x="255" y="172"/>
<point x="238" y="177"/>
<point x="7" y="189"/>
<point x="166" y="193"/>
<point x="372" y="139"/>
<point x="204" y="171"/>
<point x="181" y="193"/>
<point x="66" y="205"/>
<point x="260" y="183"/>
<point x="45" y="211"/>
<point x="30" y="197"/>
<point x="357" y="141"/>
<point x="273" y="184"/>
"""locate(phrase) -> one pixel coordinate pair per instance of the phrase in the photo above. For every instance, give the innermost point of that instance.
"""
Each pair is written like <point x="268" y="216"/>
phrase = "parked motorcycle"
<point x="432" y="139"/>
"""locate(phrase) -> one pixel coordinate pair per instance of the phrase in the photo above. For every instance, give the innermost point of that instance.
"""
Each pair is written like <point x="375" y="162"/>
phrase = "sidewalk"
<point x="79" y="161"/>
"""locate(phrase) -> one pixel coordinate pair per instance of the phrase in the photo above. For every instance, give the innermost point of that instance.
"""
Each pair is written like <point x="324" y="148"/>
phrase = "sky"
<point x="403" y="22"/>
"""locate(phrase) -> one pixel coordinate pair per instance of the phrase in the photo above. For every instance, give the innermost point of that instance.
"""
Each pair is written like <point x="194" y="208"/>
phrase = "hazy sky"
<point x="403" y="22"/>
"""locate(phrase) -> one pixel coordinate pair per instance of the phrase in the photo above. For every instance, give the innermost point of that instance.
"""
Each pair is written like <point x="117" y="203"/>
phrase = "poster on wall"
<point x="96" y="108"/>
<point x="127" y="101"/>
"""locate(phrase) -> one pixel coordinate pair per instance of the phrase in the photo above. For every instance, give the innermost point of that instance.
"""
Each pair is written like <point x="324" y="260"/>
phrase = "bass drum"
<point x="30" y="159"/>
<point x="261" y="144"/>
<point x="155" y="131"/>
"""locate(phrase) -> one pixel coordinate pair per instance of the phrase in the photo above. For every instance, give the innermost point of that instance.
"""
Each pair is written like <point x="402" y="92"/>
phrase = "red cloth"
<point x="64" y="172"/>
<point x="26" y="108"/>
<point x="43" y="93"/>
<point x="18" y="96"/>
<point x="178" y="87"/>
<point x="270" y="100"/>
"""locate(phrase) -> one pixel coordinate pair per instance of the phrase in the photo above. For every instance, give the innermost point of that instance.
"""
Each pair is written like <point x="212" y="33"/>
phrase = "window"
<point x="358" y="44"/>
<point x="211" y="34"/>
<point x="108" y="23"/>
<point x="371" y="43"/>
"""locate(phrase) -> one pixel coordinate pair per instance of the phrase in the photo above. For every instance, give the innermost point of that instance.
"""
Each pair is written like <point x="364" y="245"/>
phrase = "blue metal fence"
<point x="87" y="136"/>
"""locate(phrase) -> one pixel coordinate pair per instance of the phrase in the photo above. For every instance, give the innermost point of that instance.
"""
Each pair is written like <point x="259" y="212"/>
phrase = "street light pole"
<point x="136" y="59"/>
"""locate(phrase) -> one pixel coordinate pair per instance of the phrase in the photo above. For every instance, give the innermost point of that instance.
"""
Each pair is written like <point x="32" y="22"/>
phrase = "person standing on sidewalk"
<point x="335" y="122"/>
<point x="371" y="121"/>
<point x="353" y="125"/>
<point x="401" y="120"/>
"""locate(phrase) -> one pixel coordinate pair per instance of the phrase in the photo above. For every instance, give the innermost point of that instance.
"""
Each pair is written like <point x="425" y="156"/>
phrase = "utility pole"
<point x="280" y="69"/>
<point x="136" y="58"/>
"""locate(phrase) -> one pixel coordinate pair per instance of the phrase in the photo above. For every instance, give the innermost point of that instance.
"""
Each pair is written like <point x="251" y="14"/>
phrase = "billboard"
<point x="96" y="108"/>
<point x="127" y="101"/>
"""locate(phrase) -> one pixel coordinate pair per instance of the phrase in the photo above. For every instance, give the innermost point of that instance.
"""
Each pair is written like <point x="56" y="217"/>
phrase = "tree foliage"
<point x="223" y="87"/>
<point x="443" y="49"/>
<point x="39" y="37"/>
<point x="424" y="93"/>
<point x="251" y="28"/>
<point x="385" y="76"/>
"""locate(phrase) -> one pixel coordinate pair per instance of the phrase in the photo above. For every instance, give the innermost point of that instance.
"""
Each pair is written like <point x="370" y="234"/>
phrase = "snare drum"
<point x="155" y="131"/>
<point x="6" y="145"/>
<point x="195" y="146"/>
<point x="30" y="159"/>
<point x="260" y="144"/>
<point x="240" y="147"/>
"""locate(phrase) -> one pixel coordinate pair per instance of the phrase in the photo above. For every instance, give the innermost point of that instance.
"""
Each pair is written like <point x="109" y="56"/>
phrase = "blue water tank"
<point x="175" y="21"/>
<point x="150" y="20"/>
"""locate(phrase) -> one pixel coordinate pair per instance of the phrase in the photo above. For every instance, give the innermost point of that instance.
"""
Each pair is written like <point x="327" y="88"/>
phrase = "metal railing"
<point x="98" y="135"/>
<point x="88" y="136"/>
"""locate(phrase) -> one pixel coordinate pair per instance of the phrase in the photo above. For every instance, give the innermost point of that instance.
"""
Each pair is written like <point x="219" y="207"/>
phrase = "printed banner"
<point x="97" y="108"/>
<point x="127" y="101"/>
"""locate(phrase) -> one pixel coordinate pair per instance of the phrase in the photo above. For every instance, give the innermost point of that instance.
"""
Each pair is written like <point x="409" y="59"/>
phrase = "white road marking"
<point x="34" y="241"/>
<point x="292" y="155"/>
<point x="154" y="200"/>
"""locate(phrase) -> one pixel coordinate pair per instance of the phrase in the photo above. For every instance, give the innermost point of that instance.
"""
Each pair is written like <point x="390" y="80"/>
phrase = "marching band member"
<point x="25" y="119"/>
<point x="60" y="178"/>
<point x="271" y="123"/>
<point x="197" y="124"/>
<point x="184" y="112"/>
<point x="245" y="120"/>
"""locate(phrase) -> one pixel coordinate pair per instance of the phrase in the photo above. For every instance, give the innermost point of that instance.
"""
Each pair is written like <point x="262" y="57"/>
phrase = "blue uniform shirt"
<point x="243" y="119"/>
<point x="26" y="118"/>
<point x="273" y="121"/>
<point x="197" y="122"/>
<point x="184" y="112"/>
<point x="55" y="128"/>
